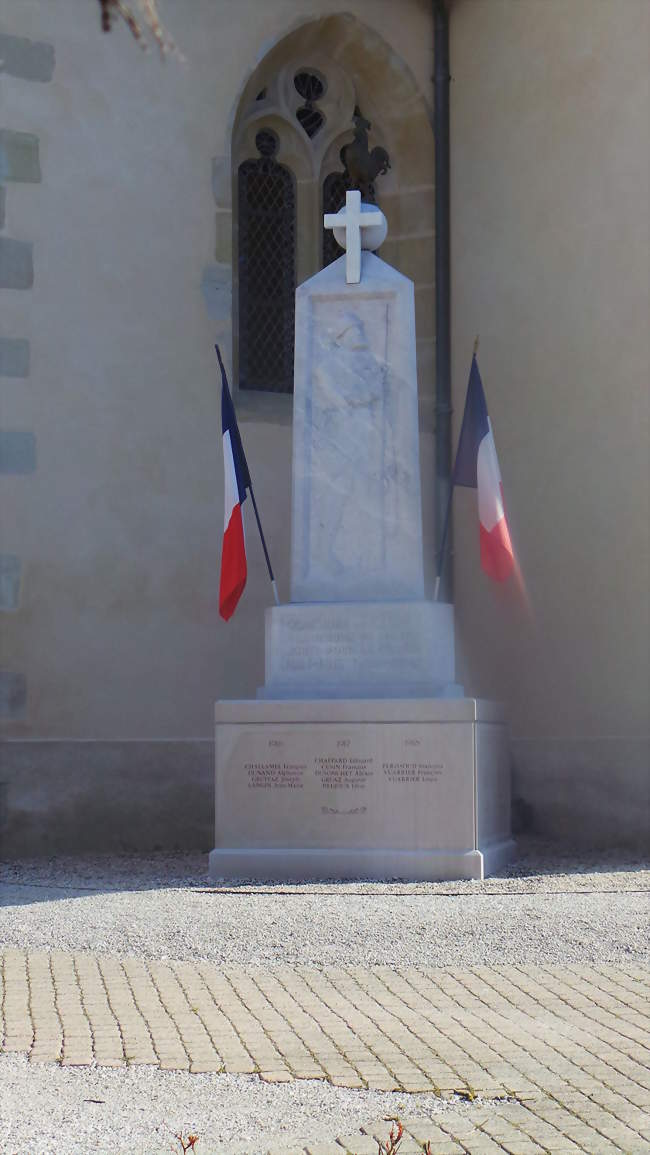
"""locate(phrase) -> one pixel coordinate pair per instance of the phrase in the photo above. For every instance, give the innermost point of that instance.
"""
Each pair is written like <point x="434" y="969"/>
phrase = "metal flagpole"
<point x="443" y="540"/>
<point x="266" y="552"/>
<point x="250" y="487"/>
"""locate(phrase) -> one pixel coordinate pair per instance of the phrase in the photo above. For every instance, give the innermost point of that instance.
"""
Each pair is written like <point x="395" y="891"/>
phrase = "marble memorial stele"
<point x="360" y="756"/>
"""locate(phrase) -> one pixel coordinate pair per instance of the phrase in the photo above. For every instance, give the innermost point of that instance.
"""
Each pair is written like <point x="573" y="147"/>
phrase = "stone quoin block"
<point x="216" y="286"/>
<point x="19" y="159"/>
<point x="223" y="237"/>
<point x="10" y="574"/>
<point x="222" y="181"/>
<point x="27" y="59"/>
<point x="16" y="264"/>
<point x="14" y="357"/>
<point x="17" y="451"/>
<point x="13" y="694"/>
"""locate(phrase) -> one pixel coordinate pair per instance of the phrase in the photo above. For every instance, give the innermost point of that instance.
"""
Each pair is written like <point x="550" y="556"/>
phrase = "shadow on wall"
<point x="81" y="797"/>
<point x="586" y="793"/>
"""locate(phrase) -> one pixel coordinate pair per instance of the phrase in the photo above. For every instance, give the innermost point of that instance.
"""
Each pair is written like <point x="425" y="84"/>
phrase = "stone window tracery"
<point x="287" y="143"/>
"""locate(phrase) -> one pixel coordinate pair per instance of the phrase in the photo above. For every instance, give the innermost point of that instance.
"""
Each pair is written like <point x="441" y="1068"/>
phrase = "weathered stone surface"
<point x="413" y="256"/>
<point x="223" y="236"/>
<point x="17" y="451"/>
<point x="216" y="286"/>
<point x="369" y="793"/>
<point x="360" y="650"/>
<point x="14" y="357"/>
<point x="13" y="694"/>
<point x="356" y="515"/>
<point x="570" y="795"/>
<point x="27" y="59"/>
<point x="19" y="159"/>
<point x="222" y="181"/>
<point x="411" y="211"/>
<point x="2" y="205"/>
<point x="10" y="574"/>
<point x="93" y="801"/>
<point x="16" y="264"/>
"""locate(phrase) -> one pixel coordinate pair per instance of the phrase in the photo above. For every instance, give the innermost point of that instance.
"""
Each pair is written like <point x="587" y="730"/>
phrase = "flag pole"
<point x="443" y="540"/>
<point x="266" y="552"/>
<point x="250" y="488"/>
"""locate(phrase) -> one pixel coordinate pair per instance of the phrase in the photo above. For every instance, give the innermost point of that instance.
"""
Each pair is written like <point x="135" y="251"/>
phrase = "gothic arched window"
<point x="292" y="127"/>
<point x="267" y="269"/>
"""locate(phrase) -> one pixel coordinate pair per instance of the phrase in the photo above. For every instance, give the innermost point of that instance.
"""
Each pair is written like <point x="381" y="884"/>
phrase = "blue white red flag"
<point x="236" y="482"/>
<point x="477" y="467"/>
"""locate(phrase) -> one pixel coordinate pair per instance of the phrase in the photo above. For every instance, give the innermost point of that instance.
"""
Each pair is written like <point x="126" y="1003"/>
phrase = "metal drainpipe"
<point x="443" y="410"/>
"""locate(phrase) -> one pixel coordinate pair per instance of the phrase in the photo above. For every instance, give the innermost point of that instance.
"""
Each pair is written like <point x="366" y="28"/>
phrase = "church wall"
<point x="550" y="265"/>
<point x="116" y="267"/>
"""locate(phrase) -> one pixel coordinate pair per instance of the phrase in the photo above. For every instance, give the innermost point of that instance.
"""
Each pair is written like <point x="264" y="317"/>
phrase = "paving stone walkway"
<point x="553" y="1059"/>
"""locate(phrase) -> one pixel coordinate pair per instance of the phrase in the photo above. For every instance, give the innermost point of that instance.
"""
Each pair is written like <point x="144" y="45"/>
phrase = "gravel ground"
<point x="547" y="908"/>
<point x="49" y="1110"/>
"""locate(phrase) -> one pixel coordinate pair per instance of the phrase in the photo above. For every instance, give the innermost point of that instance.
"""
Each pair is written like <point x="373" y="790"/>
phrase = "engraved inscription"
<point x="328" y="649"/>
<point x="344" y="771"/>
<point x="275" y="775"/>
<point x="402" y="772"/>
<point x="333" y="810"/>
<point x="345" y="785"/>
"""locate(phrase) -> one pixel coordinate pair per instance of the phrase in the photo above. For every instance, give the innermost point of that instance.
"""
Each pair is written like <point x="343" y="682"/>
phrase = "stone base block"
<point x="417" y="789"/>
<point x="360" y="650"/>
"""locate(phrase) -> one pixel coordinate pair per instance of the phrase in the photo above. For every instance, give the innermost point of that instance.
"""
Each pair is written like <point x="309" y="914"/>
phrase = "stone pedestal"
<point x="416" y="789"/>
<point x="360" y="650"/>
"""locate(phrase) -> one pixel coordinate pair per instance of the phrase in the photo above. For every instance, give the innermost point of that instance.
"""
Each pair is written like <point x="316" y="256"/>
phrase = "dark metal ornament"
<point x="362" y="166"/>
<point x="359" y="165"/>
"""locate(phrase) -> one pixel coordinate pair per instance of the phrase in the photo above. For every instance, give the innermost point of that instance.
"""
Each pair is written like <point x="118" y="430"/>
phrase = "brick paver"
<point x="551" y="1059"/>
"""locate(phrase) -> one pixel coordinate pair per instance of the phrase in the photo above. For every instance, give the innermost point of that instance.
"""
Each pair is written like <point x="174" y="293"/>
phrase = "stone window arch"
<point x="358" y="67"/>
<point x="306" y="107"/>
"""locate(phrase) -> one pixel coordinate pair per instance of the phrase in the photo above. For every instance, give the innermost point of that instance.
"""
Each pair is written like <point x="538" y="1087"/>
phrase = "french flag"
<point x="236" y="482"/>
<point x="477" y="467"/>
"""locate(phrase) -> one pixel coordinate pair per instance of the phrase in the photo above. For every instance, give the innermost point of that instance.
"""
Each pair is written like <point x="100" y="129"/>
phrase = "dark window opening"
<point x="267" y="269"/>
<point x="311" y="87"/>
<point x="310" y="119"/>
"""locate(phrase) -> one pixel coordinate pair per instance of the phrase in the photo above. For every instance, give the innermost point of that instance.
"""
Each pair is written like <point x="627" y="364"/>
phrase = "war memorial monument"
<point x="360" y="757"/>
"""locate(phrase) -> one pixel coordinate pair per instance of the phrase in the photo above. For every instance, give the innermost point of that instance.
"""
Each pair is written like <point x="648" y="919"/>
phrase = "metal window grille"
<point x="267" y="270"/>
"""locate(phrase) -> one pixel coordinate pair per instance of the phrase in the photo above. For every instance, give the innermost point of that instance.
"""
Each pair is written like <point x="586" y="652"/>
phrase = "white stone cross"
<point x="353" y="220"/>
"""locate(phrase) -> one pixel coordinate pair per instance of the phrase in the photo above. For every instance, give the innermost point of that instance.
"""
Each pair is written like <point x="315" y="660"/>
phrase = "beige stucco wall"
<point x="119" y="527"/>
<point x="550" y="262"/>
